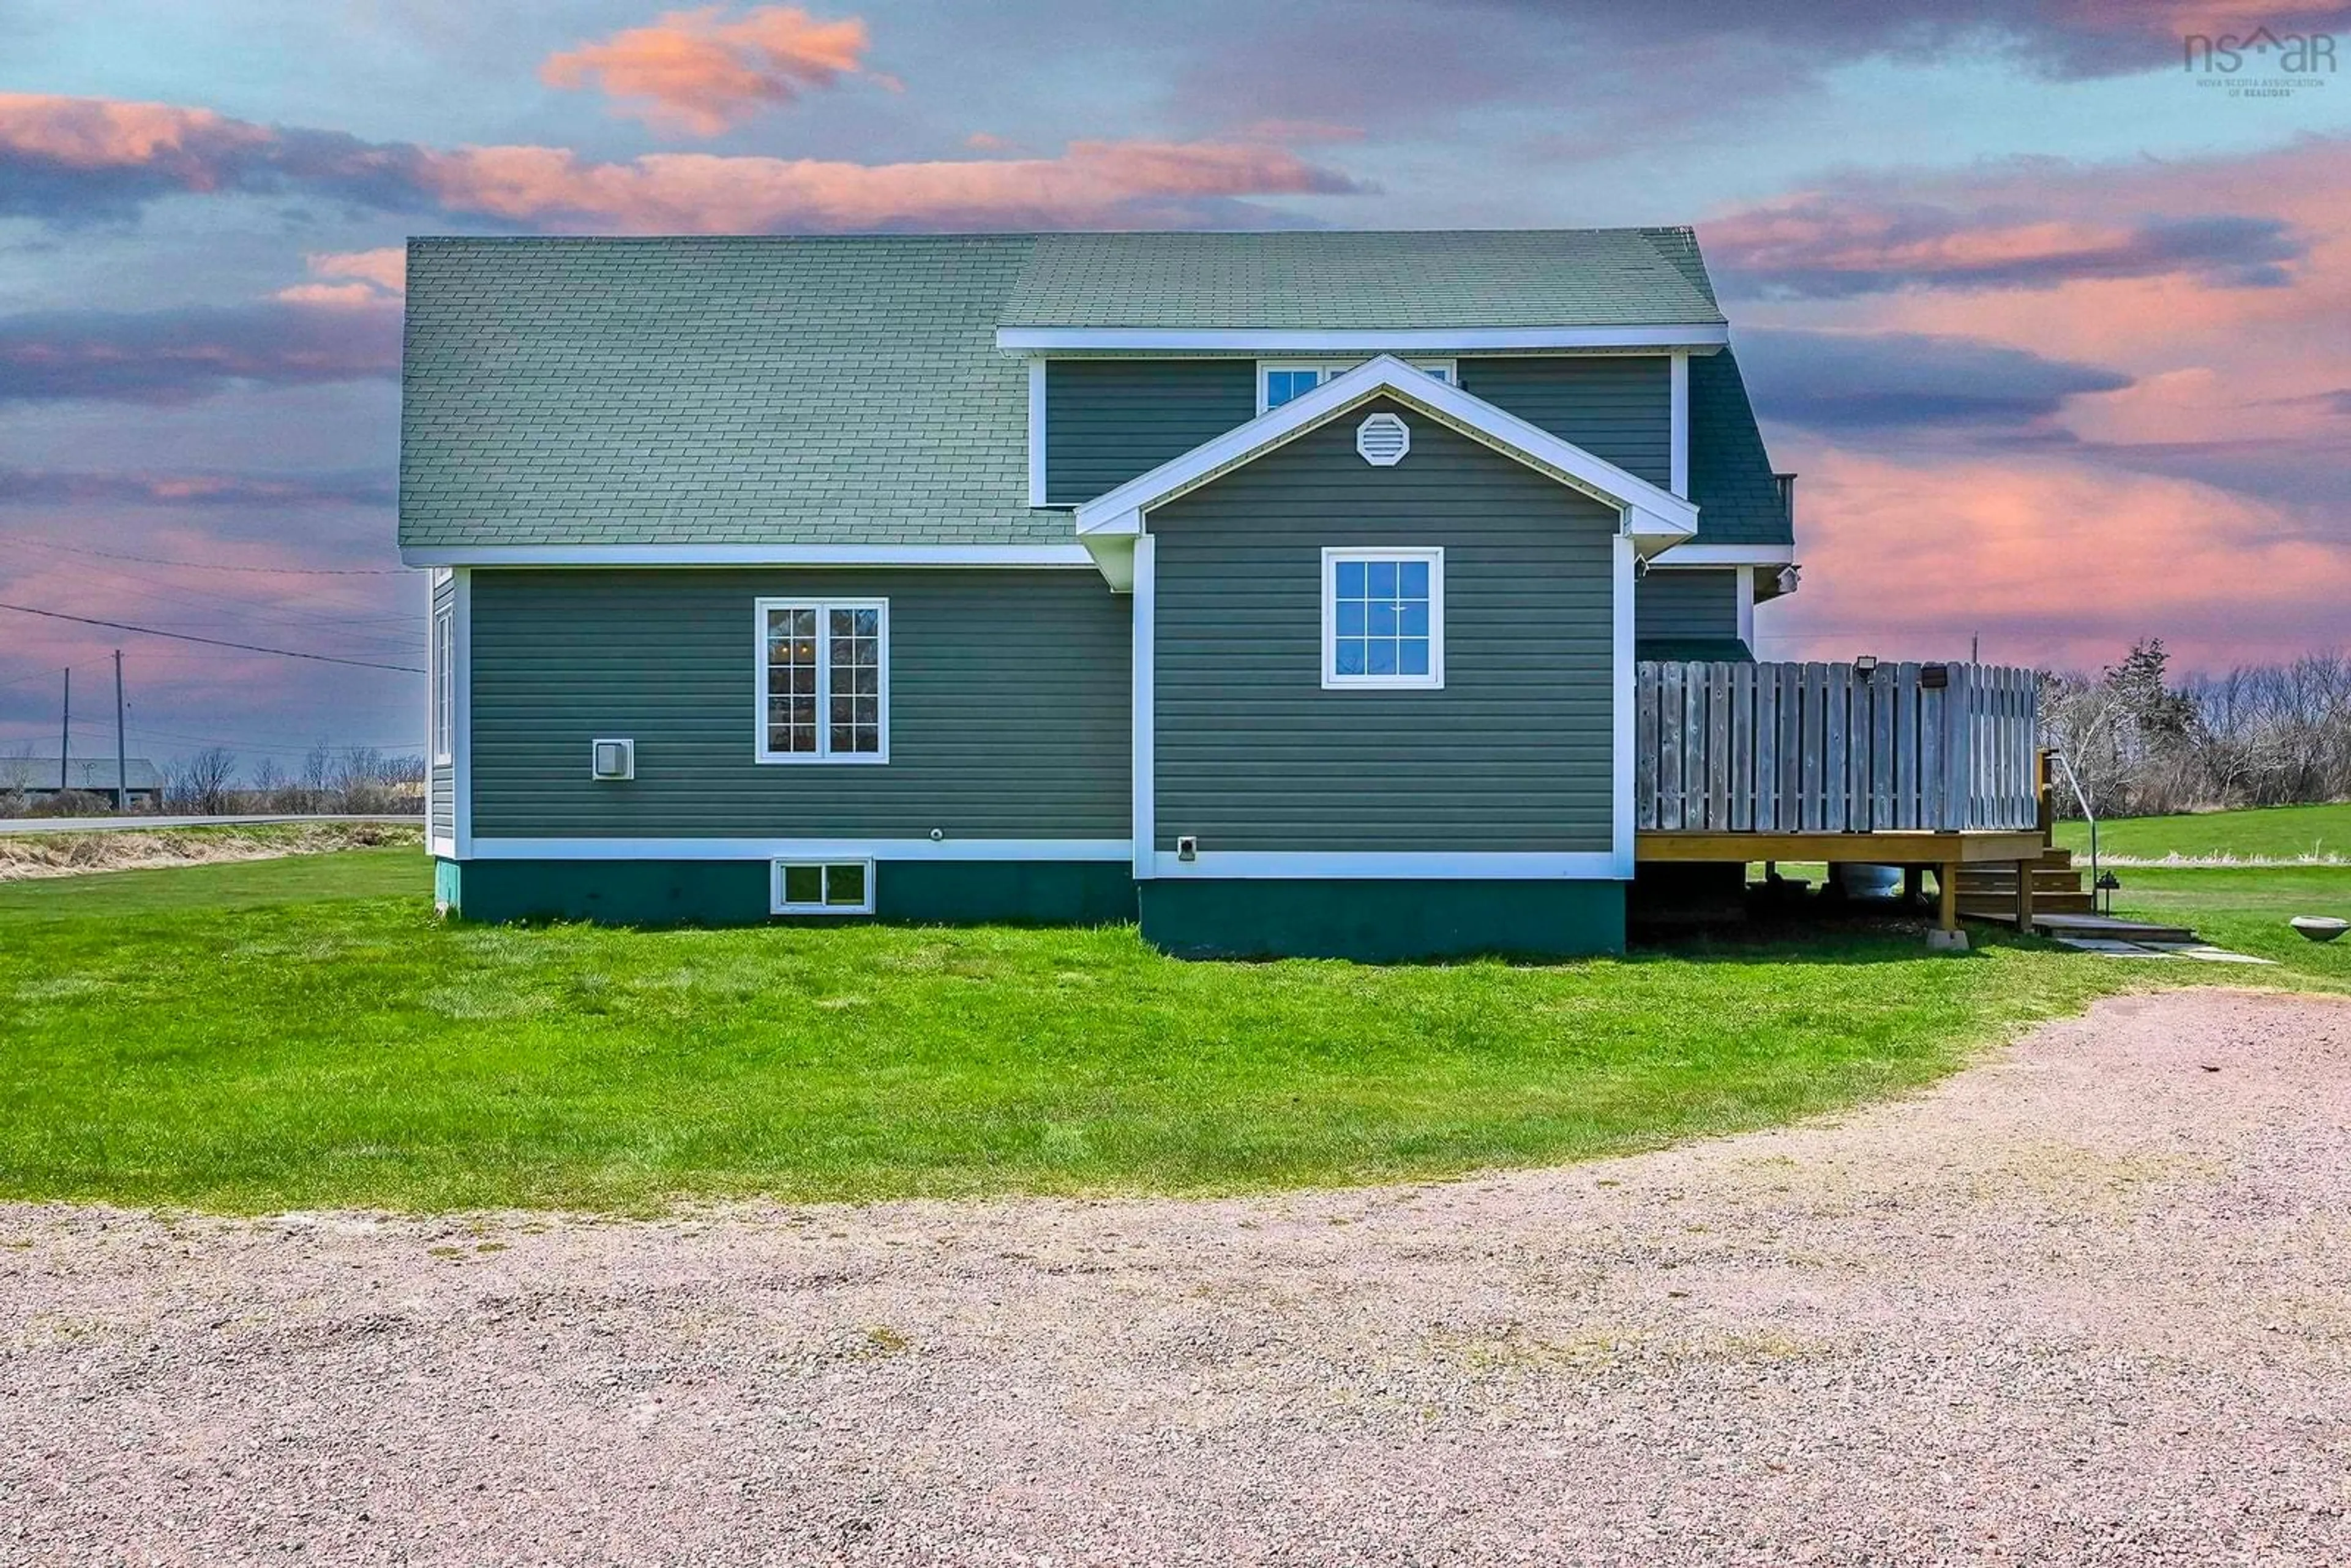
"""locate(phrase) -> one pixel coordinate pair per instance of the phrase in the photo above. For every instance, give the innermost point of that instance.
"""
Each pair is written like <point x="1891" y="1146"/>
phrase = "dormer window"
<point x="1278" y="380"/>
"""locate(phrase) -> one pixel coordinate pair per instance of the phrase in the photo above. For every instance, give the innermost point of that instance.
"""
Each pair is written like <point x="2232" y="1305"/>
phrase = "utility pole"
<point x="122" y="765"/>
<point x="64" y="737"/>
<point x="1975" y="647"/>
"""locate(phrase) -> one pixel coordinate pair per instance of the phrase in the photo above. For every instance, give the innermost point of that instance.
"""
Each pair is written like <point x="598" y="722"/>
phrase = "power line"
<point x="212" y="642"/>
<point x="221" y="566"/>
<point x="269" y="611"/>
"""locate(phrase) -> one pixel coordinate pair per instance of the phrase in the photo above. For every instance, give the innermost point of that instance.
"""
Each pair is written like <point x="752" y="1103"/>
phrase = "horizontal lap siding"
<point x="1009" y="695"/>
<point x="1512" y="755"/>
<point x="1107" y="421"/>
<point x="1616" y="406"/>
<point x="1685" y="604"/>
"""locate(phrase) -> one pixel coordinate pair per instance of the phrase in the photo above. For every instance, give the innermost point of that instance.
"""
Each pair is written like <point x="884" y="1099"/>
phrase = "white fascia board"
<point x="748" y="555"/>
<point x="1653" y="516"/>
<point x="1702" y="337"/>
<point x="1683" y="556"/>
<point x="1589" y="865"/>
<point x="951" y="849"/>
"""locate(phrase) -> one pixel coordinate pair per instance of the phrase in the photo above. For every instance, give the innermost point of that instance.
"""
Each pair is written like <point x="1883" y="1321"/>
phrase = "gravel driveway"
<point x="2090" y="1302"/>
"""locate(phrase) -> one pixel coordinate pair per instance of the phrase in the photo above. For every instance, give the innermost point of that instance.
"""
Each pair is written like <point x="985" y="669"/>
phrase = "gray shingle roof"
<point x="1520" y="277"/>
<point x="715" y="392"/>
<point x="849" y="391"/>
<point x="1730" y="473"/>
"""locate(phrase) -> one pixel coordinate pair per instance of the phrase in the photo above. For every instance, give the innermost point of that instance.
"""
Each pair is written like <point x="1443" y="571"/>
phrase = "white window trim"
<point x="823" y="754"/>
<point x="443" y="660"/>
<point x="777" y="904"/>
<point x="1334" y="682"/>
<point x="1332" y="367"/>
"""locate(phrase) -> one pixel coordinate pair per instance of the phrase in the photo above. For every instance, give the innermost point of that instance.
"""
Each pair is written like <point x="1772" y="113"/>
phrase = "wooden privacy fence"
<point x="1832" y="748"/>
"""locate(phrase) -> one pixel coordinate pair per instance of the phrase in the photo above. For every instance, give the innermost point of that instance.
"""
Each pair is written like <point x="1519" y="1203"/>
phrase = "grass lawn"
<point x="303" y="1033"/>
<point x="2270" y="832"/>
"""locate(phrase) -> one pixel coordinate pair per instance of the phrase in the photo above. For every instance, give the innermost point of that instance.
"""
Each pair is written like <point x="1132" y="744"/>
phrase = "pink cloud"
<point x="2055" y="561"/>
<point x="694" y="71"/>
<point x="61" y="157"/>
<point x="1090" y="181"/>
<point x="103" y="133"/>
<point x="375" y="278"/>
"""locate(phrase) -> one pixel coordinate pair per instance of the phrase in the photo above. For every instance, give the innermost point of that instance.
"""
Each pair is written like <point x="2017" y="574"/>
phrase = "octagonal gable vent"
<point x="1382" y="440"/>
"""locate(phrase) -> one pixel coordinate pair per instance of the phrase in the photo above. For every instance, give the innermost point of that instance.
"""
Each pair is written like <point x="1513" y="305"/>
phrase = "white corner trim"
<point x="1625" y="741"/>
<point x="1679" y="394"/>
<point x="441" y="849"/>
<point x="1682" y="556"/>
<point x="1063" y="555"/>
<point x="1703" y="336"/>
<point x="1037" y="432"/>
<point x="1332" y="681"/>
<point x="1402" y="866"/>
<point x="1144" y="762"/>
<point x="461" y="776"/>
<point x="945" y="849"/>
<point x="1746" y="599"/>
<point x="1652" y="516"/>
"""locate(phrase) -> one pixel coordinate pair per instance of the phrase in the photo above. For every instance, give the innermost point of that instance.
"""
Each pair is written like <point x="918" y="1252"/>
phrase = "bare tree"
<point x="318" y="775"/>
<point x="201" y="784"/>
<point x="2258" y="735"/>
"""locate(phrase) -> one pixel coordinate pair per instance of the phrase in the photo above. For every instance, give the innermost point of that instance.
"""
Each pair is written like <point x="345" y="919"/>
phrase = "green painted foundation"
<point x="735" y="893"/>
<point x="1382" y="922"/>
<point x="1022" y="893"/>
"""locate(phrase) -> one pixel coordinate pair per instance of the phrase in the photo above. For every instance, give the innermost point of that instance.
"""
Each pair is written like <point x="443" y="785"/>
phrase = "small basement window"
<point x="1278" y="380"/>
<point x="824" y="680"/>
<point x="823" y="887"/>
<point x="1384" y="618"/>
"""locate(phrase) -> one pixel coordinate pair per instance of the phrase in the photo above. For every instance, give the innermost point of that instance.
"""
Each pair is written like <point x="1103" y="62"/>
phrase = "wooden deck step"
<point x="2004" y="908"/>
<point x="1990" y="879"/>
<point x="2060" y="922"/>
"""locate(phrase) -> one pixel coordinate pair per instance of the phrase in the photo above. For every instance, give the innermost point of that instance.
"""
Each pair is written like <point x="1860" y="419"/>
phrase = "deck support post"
<point x="1913" y="884"/>
<point x="2024" y="895"/>
<point x="1947" y="896"/>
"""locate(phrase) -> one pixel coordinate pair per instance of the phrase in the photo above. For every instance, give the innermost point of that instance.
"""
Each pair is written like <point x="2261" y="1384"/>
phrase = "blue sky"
<point x="2055" y="330"/>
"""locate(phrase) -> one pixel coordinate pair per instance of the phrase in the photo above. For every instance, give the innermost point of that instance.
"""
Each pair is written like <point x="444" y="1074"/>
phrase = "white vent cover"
<point x="613" y="759"/>
<point x="1382" y="440"/>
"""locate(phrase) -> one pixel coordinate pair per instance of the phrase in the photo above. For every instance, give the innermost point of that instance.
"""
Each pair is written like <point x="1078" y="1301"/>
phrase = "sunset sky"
<point x="2057" y="331"/>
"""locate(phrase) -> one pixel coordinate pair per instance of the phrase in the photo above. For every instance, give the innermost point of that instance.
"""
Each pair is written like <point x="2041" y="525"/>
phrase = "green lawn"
<point x="304" y="1033"/>
<point x="2272" y="832"/>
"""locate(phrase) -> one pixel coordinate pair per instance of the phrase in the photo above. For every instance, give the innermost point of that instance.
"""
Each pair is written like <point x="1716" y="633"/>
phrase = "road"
<point x="121" y="824"/>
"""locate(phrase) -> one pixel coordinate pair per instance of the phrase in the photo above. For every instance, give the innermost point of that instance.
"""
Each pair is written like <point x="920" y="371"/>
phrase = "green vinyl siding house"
<point x="1283" y="592"/>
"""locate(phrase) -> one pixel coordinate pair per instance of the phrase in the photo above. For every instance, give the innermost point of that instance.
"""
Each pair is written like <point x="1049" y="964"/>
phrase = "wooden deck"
<point x="1916" y="765"/>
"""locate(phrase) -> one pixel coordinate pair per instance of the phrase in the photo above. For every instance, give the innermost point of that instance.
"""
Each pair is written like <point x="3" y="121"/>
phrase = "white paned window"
<point x="824" y="680"/>
<point x="1383" y="618"/>
<point x="1278" y="380"/>
<point x="822" y="887"/>
<point x="445" y="684"/>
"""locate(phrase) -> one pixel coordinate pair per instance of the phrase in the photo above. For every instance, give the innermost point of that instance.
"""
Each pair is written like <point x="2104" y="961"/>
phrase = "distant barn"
<point x="40" y="777"/>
